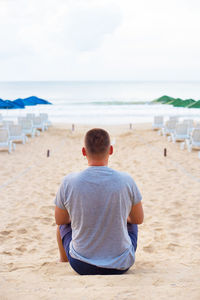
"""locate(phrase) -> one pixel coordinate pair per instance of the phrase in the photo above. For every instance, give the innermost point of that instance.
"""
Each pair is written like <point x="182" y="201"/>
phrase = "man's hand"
<point x="61" y="216"/>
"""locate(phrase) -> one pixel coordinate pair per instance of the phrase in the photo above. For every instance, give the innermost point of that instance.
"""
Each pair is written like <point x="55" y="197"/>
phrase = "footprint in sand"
<point x="158" y="229"/>
<point x="22" y="231"/>
<point x="46" y="221"/>
<point x="12" y="225"/>
<point x="10" y="266"/>
<point x="172" y="246"/>
<point x="149" y="248"/>
<point x="5" y="232"/>
<point x="176" y="216"/>
<point x="6" y="253"/>
<point x="157" y="282"/>
<point x="53" y="251"/>
<point x="46" y="209"/>
<point x="30" y="205"/>
<point x="172" y="170"/>
<point x="33" y="250"/>
<point x="21" y="249"/>
<point x="178" y="203"/>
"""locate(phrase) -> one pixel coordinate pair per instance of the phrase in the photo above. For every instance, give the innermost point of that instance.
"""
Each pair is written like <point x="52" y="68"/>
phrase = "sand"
<point x="168" y="255"/>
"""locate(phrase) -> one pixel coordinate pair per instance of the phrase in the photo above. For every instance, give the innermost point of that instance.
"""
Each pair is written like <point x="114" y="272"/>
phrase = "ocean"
<point x="98" y="102"/>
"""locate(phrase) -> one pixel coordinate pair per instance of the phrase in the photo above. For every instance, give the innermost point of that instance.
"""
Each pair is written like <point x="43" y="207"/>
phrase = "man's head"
<point x="97" y="145"/>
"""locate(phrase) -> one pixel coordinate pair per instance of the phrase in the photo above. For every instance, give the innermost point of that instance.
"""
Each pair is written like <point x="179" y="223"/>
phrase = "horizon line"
<point x="105" y="81"/>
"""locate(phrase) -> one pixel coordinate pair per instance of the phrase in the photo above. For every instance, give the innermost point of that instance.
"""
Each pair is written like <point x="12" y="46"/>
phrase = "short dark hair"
<point x="97" y="142"/>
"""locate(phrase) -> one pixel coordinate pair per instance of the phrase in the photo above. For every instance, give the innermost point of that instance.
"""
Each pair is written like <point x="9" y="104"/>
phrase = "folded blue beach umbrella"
<point x="14" y="105"/>
<point x="5" y="104"/>
<point x="33" y="100"/>
<point x="27" y="102"/>
<point x="19" y="103"/>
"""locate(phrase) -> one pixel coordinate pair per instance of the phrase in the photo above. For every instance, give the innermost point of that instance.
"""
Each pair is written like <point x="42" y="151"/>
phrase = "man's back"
<point x="99" y="200"/>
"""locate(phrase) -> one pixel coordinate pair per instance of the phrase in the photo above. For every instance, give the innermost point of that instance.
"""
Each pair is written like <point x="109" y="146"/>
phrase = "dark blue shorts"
<point x="84" y="268"/>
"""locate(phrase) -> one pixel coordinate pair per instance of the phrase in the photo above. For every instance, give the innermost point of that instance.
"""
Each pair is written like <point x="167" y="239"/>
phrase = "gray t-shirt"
<point x="99" y="200"/>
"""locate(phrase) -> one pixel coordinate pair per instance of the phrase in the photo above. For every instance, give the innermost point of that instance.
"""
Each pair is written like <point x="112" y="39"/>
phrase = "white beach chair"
<point x="7" y="124"/>
<point x="1" y="121"/>
<point x="174" y="118"/>
<point x="5" y="142"/>
<point x="39" y="124"/>
<point x="16" y="134"/>
<point x="30" y="116"/>
<point x="27" y="128"/>
<point x="194" y="141"/>
<point x="44" y="117"/>
<point x="169" y="127"/>
<point x="190" y="124"/>
<point x="181" y="132"/>
<point x="158" y="122"/>
<point x="197" y="125"/>
<point x="20" y="119"/>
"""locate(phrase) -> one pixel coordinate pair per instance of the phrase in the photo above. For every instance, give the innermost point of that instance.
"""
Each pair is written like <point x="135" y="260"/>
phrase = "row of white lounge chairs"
<point x="30" y="125"/>
<point x="187" y="131"/>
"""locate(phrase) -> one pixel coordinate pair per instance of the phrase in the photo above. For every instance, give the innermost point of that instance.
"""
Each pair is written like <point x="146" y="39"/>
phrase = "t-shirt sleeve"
<point x="137" y="197"/>
<point x="60" y="197"/>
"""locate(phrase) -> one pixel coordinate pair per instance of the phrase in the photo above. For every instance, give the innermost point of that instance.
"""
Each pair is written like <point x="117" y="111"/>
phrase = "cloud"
<point x="41" y="26"/>
<point x="99" y="39"/>
<point x="86" y="26"/>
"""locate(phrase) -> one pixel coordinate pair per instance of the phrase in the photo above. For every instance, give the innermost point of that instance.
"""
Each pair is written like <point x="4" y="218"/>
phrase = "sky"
<point x="99" y="40"/>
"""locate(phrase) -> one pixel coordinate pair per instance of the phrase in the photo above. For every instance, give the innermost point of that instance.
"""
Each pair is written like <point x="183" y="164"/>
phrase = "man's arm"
<point x="61" y="216"/>
<point x="136" y="215"/>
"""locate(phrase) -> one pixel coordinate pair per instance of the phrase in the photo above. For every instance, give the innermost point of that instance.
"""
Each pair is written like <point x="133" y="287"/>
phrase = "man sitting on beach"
<point x="97" y="211"/>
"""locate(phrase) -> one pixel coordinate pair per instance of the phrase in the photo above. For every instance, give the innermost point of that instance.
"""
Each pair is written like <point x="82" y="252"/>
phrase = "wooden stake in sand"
<point x="48" y="153"/>
<point x="165" y="151"/>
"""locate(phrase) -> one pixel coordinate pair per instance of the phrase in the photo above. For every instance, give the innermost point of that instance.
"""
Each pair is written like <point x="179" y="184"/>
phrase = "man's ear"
<point x="83" y="151"/>
<point x="111" y="150"/>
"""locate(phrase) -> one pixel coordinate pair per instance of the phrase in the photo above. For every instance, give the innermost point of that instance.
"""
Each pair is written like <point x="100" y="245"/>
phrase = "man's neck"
<point x="97" y="162"/>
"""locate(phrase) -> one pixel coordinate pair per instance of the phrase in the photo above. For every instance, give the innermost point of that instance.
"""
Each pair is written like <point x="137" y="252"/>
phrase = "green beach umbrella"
<point x="164" y="99"/>
<point x="195" y="105"/>
<point x="177" y="102"/>
<point x="188" y="102"/>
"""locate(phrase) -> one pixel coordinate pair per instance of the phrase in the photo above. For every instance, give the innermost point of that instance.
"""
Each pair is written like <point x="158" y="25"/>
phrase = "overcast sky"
<point x="99" y="40"/>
